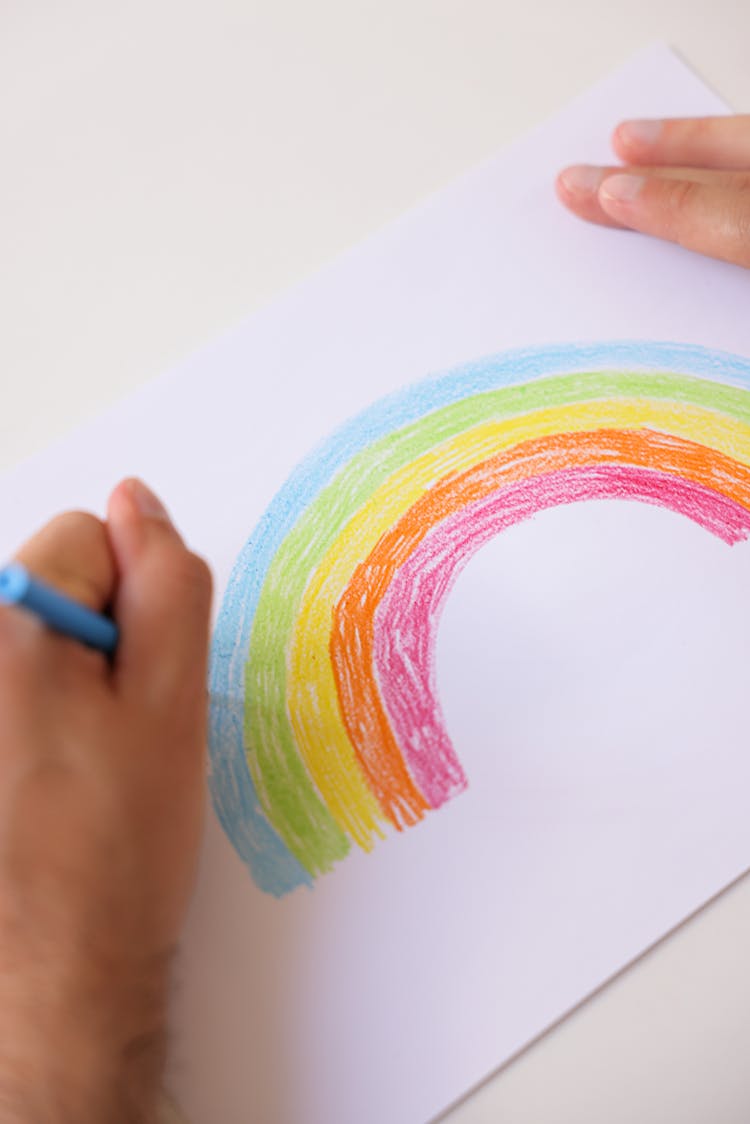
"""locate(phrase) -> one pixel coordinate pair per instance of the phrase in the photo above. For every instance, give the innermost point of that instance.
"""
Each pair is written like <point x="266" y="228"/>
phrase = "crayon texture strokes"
<point x="326" y="728"/>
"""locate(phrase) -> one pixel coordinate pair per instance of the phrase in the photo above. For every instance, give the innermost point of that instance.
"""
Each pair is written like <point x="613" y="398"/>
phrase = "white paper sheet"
<point x="591" y="662"/>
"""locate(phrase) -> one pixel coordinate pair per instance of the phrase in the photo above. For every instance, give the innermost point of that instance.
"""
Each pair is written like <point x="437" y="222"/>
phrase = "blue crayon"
<point x="61" y="613"/>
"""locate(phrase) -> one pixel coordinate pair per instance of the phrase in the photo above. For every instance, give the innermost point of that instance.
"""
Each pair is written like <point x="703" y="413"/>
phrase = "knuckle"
<point x="190" y="575"/>
<point x="742" y="225"/>
<point x="200" y="575"/>
<point x="699" y="129"/>
<point x="78" y="522"/>
<point x="203" y="571"/>
<point x="72" y="553"/>
<point x="81" y="528"/>
<point x="682" y="194"/>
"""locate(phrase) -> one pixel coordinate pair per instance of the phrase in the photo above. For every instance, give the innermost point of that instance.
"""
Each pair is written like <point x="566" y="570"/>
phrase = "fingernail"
<point x="146" y="502"/>
<point x="581" y="179"/>
<point x="640" y="133"/>
<point x="622" y="188"/>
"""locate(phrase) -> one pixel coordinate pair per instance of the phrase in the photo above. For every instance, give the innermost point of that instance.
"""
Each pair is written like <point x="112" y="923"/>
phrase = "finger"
<point x="709" y="142"/>
<point x="163" y="600"/>
<point x="708" y="219"/>
<point x="72" y="553"/>
<point x="578" y="186"/>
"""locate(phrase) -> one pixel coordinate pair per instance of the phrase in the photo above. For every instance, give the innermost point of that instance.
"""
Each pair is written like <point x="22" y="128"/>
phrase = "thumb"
<point x="162" y="603"/>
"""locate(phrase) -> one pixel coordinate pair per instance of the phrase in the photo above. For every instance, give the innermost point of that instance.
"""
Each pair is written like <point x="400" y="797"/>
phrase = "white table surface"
<point x="167" y="165"/>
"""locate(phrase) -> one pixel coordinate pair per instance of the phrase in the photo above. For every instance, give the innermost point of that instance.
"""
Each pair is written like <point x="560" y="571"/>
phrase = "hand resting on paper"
<point x="686" y="180"/>
<point x="101" y="800"/>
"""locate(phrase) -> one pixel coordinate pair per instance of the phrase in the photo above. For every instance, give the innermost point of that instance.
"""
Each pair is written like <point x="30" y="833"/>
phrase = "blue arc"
<point x="272" y="866"/>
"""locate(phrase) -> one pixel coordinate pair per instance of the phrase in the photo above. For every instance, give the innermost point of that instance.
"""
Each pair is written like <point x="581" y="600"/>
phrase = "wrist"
<point x="78" y="1081"/>
<point x="83" y="1044"/>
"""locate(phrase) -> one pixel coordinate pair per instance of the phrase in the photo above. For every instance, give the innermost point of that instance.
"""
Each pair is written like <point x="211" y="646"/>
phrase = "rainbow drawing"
<point x="326" y="728"/>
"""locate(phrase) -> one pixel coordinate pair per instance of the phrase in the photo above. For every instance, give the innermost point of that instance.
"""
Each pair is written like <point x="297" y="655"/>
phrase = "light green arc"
<point x="287" y="794"/>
